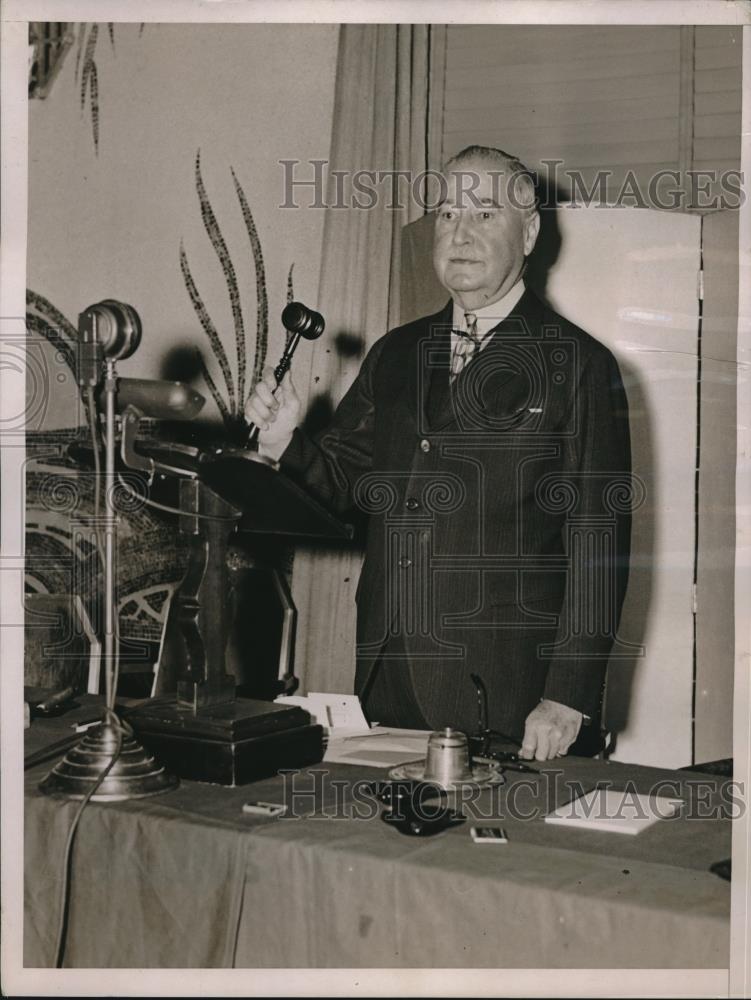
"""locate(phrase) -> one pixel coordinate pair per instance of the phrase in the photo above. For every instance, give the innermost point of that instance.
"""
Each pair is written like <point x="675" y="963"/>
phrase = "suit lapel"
<point x="438" y="407"/>
<point x="429" y="394"/>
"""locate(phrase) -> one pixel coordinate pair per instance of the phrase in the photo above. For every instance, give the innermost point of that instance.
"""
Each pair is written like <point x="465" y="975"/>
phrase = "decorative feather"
<point x="88" y="60"/>
<point x="84" y="82"/>
<point x="262" y="321"/>
<point x="52" y="315"/>
<point x="220" y="248"/>
<point x="290" y="286"/>
<point x="90" y="79"/>
<point x="51" y="334"/>
<point x="79" y="44"/>
<point x="91" y="43"/>
<point x="218" y="399"/>
<point x="94" y="94"/>
<point x="209" y="329"/>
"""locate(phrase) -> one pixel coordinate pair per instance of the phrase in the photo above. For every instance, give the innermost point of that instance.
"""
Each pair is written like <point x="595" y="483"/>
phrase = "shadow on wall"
<point x="346" y="346"/>
<point x="633" y="626"/>
<point x="547" y="249"/>
<point x="180" y="364"/>
<point x="636" y="609"/>
<point x="321" y="407"/>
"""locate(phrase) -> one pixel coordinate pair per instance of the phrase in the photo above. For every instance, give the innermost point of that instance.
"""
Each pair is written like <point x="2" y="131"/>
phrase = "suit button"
<point x="425" y="445"/>
<point x="405" y="563"/>
<point x="412" y="503"/>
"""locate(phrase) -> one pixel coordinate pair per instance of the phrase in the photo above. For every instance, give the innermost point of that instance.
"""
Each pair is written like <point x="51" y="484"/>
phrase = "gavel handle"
<point x="279" y="372"/>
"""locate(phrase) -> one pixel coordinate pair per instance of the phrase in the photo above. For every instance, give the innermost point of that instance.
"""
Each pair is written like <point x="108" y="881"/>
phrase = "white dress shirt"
<point x="488" y="317"/>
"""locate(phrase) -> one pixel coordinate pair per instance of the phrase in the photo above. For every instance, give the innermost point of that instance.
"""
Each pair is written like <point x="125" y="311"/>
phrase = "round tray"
<point x="484" y="775"/>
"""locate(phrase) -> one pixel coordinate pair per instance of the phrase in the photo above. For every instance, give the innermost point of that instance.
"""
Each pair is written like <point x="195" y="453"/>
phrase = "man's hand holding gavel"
<point x="275" y="416"/>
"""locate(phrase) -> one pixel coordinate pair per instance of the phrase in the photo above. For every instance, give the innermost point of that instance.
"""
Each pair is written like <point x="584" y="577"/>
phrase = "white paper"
<point x="380" y="747"/>
<point x="339" y="714"/>
<point x="612" y="811"/>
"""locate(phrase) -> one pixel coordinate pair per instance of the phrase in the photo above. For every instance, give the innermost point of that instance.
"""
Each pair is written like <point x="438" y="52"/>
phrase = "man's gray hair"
<point x="521" y="183"/>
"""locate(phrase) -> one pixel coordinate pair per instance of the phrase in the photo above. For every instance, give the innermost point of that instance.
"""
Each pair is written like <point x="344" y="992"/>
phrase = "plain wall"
<point x="716" y="516"/>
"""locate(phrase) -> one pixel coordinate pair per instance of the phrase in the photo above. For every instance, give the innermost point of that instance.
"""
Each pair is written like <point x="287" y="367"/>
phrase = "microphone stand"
<point x="109" y="765"/>
<point x="110" y="652"/>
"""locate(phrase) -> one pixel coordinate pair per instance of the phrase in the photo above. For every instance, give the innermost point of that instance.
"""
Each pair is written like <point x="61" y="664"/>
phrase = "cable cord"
<point x="91" y="415"/>
<point x="121" y="729"/>
<point x="96" y="448"/>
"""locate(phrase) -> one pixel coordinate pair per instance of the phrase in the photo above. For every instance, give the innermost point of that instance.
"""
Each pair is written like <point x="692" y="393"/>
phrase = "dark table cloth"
<point x="186" y="880"/>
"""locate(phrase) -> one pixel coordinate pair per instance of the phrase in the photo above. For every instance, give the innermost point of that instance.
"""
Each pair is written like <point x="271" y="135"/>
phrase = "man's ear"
<point x="531" y="232"/>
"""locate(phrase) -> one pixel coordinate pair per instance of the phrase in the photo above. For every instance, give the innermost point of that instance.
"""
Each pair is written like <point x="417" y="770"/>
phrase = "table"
<point x="187" y="880"/>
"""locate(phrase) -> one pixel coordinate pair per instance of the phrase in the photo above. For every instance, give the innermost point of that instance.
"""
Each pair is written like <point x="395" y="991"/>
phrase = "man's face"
<point x="481" y="237"/>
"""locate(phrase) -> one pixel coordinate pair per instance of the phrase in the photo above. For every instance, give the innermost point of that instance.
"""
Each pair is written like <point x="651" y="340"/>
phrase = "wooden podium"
<point x="204" y="731"/>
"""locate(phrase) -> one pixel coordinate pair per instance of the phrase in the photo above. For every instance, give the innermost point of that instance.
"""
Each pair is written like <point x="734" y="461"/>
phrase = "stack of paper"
<point x="350" y="740"/>
<point x="380" y="747"/>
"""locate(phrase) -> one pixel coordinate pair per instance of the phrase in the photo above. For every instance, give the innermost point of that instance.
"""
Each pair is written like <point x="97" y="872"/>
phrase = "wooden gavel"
<point x="299" y="321"/>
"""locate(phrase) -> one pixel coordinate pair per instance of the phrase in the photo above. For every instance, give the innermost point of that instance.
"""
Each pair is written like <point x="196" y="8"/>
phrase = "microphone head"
<point x="298" y="318"/>
<point x="115" y="326"/>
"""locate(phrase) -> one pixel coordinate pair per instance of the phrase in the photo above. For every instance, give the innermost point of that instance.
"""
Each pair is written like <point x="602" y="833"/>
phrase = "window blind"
<point x="599" y="98"/>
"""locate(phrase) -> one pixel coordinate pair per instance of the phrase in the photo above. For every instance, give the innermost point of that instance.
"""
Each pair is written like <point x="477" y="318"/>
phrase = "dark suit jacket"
<point x="499" y="519"/>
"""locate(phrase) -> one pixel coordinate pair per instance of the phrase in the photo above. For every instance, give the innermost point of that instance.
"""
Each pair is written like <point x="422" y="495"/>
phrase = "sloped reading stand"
<point x="204" y="731"/>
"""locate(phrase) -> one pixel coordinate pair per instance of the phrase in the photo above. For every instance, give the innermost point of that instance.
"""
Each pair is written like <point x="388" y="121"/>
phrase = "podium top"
<point x="271" y="502"/>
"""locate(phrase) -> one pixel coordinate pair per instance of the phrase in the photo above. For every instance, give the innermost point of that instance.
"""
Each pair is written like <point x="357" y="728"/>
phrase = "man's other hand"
<point x="550" y="730"/>
<point x="275" y="416"/>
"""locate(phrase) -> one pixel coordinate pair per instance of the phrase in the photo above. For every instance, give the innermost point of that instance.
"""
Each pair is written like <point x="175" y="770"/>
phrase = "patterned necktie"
<point x="467" y="345"/>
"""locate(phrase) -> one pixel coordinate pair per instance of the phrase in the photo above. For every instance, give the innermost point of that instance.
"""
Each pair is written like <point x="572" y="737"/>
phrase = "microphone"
<point x="108" y="329"/>
<point x="299" y="321"/>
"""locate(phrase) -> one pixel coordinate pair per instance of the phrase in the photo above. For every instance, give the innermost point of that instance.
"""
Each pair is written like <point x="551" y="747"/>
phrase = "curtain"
<point x="382" y="111"/>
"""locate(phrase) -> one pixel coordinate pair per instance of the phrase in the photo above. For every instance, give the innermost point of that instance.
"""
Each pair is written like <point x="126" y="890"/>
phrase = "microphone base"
<point x="136" y="774"/>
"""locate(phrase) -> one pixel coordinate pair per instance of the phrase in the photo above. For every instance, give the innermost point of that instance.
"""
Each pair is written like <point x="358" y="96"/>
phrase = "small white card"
<point x="337" y="713"/>
<point x="614" y="811"/>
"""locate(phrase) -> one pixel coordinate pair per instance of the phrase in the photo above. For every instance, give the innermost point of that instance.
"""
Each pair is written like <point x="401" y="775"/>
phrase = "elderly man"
<point x="486" y="443"/>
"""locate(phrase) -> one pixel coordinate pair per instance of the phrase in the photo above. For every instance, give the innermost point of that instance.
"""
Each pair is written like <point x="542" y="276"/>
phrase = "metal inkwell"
<point x="448" y="765"/>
